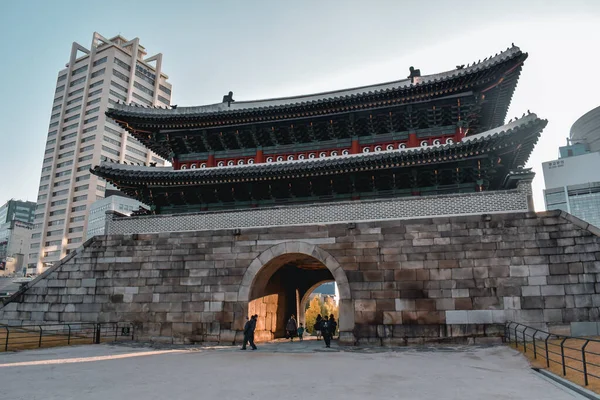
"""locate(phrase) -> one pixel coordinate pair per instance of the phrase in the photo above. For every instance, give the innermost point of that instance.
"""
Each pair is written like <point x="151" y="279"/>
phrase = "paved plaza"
<point x="280" y="370"/>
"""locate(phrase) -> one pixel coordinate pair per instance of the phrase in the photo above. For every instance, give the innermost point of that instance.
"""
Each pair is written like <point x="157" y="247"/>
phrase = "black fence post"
<point x="116" y="331"/>
<point x="7" y="333"/>
<point x="97" y="338"/>
<point x="41" y="332"/>
<point x="516" y="337"/>
<point x="131" y="326"/>
<point x="534" y="348"/>
<point x="525" y="340"/>
<point x="585" y="374"/>
<point x="547" y="353"/>
<point x="69" y="337"/>
<point x="562" y="355"/>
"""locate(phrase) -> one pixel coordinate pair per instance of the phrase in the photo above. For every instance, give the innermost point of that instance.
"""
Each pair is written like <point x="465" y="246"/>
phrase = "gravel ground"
<point x="280" y="370"/>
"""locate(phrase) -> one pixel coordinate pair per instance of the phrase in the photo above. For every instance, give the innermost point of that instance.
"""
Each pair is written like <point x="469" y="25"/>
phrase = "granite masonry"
<point x="399" y="280"/>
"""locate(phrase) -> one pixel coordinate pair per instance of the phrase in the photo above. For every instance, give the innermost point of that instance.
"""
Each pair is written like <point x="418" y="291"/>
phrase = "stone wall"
<point x="398" y="279"/>
<point x="366" y="210"/>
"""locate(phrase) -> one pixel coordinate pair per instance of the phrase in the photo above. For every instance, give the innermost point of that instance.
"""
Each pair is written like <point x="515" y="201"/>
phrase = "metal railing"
<point x="578" y="357"/>
<point x="36" y="336"/>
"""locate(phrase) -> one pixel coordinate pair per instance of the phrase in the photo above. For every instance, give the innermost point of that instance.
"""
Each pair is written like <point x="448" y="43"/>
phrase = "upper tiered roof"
<point x="491" y="82"/>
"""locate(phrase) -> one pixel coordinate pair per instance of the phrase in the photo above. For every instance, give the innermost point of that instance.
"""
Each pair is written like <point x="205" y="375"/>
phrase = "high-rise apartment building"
<point x="80" y="136"/>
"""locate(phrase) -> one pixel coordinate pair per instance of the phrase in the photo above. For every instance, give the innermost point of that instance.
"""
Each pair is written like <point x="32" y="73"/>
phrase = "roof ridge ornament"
<point x="228" y="98"/>
<point x="414" y="73"/>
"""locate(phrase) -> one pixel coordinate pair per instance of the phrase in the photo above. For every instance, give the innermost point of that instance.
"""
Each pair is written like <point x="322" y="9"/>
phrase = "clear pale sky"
<point x="263" y="49"/>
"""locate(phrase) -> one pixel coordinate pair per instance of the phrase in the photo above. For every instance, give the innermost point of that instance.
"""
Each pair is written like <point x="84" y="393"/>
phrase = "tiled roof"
<point x="519" y="137"/>
<point x="268" y="104"/>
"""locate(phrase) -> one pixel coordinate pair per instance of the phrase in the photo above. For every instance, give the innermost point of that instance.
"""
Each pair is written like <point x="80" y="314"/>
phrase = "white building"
<point x="15" y="237"/>
<point x="97" y="214"/>
<point x="80" y="136"/>
<point x="573" y="181"/>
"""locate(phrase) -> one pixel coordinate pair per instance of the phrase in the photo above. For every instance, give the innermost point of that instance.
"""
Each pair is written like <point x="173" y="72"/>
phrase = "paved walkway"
<point x="279" y="370"/>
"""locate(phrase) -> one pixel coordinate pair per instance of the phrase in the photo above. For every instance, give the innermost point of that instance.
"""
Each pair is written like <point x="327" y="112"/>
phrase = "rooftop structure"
<point x="80" y="136"/>
<point x="17" y="209"/>
<point x="424" y="135"/>
<point x="586" y="130"/>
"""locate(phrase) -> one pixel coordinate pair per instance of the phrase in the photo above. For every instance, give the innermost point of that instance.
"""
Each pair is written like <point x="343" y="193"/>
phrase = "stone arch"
<point x="301" y="315"/>
<point x="268" y="260"/>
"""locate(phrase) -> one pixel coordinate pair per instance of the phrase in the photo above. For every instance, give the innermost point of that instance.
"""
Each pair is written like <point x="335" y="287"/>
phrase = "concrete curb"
<point x="568" y="384"/>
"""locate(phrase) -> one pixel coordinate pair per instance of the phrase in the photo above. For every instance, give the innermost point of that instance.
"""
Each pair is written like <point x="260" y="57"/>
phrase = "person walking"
<point x="332" y="325"/>
<point x="325" y="331"/>
<point x="317" y="327"/>
<point x="291" y="327"/>
<point x="300" y="332"/>
<point x="249" y="329"/>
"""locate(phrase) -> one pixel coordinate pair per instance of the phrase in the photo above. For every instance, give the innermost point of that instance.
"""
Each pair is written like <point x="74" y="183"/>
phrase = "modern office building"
<point x="111" y="71"/>
<point x="112" y="202"/>
<point x="15" y="237"/>
<point x="17" y="209"/>
<point x="572" y="181"/>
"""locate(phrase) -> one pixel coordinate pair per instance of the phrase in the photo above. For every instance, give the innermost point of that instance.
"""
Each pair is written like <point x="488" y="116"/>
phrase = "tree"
<point x="310" y="316"/>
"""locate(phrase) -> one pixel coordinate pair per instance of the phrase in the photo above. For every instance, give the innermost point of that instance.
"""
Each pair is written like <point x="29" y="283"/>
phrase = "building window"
<point x="165" y="89"/>
<point x="53" y="243"/>
<point x="87" y="148"/>
<point x="62" y="183"/>
<point x="82" y="178"/>
<point x="74" y="240"/>
<point x="68" y="136"/>
<point x="121" y="76"/>
<point x="97" y="83"/>
<point x="47" y="160"/>
<point x="145" y="78"/>
<point x="61" y="78"/>
<point x="113" y="131"/>
<point x="87" y="121"/>
<point x="118" y="96"/>
<point x="67" y="154"/>
<point x="143" y="100"/>
<point x="48" y="151"/>
<point x="85" y="158"/>
<point x="64" y="164"/>
<point x="89" y="103"/>
<point x="82" y="187"/>
<point x="77" y="219"/>
<point x="67" y="145"/>
<point x="59" y="89"/>
<point x="92" y="110"/>
<point x="58" y="202"/>
<point x="84" y="167"/>
<point x="50" y="134"/>
<point x="64" y="173"/>
<point x="123" y="88"/>
<point x="90" y="129"/>
<point x="133" y="159"/>
<point x="60" y="192"/>
<point x="56" y="223"/>
<point x="79" y="70"/>
<point x="34" y="246"/>
<point x="100" y="61"/>
<point x="49" y="142"/>
<point x="43" y="187"/>
<point x="75" y="92"/>
<point x="58" y="212"/>
<point x="111" y="141"/>
<point x="88" y="139"/>
<point x="77" y="81"/>
<point x="72" y="118"/>
<point x="136" y="151"/>
<point x="111" y="151"/>
<point x="69" y="110"/>
<point x="80" y="198"/>
<point x="51" y="253"/>
<point x="75" y="209"/>
<point x="74" y="100"/>
<point x="98" y="73"/>
<point x="54" y="115"/>
<point x="36" y="235"/>
<point x="163" y="100"/>
<point x="70" y="127"/>
<point x="143" y="88"/>
<point x="95" y="92"/>
<point x="54" y="124"/>
<point x="42" y="197"/>
<point x="122" y="64"/>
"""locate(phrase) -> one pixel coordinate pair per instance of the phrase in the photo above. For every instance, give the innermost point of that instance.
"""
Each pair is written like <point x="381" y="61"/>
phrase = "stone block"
<point x="583" y="300"/>
<point x="531" y="291"/>
<point x="538" y="270"/>
<point x="584" y="329"/>
<point x="365" y="305"/>
<point x="462" y="273"/>
<point x="463" y="303"/>
<point x="555" y="302"/>
<point x="537" y="280"/>
<point x="479" y="317"/>
<point x="457" y="293"/>
<point x="553" y="290"/>
<point x="519" y="270"/>
<point x="405" y="304"/>
<point x="440" y="274"/>
<point x="580" y="288"/>
<point x="532" y="302"/>
<point x="457" y="317"/>
<point x="512" y="303"/>
<point x="444" y="304"/>
<point x="392" y="317"/>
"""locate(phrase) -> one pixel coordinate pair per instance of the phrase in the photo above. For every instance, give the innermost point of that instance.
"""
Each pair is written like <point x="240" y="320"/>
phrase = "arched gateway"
<point x="276" y="283"/>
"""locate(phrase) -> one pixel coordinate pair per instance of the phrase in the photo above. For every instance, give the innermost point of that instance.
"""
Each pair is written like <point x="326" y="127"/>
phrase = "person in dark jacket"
<point x="317" y="327"/>
<point x="332" y="325"/>
<point x="291" y="328"/>
<point x="326" y="331"/>
<point x="249" y="329"/>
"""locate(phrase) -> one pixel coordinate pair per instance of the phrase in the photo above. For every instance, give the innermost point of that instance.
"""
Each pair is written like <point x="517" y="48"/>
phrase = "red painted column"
<point x="355" y="146"/>
<point x="260" y="158"/>
<point x="460" y="133"/>
<point x="175" y="163"/>
<point x="211" y="161"/>
<point x="412" y="140"/>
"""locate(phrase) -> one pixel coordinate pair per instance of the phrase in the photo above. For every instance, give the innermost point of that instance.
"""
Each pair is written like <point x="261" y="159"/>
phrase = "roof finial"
<point x="414" y="73"/>
<point x="228" y="98"/>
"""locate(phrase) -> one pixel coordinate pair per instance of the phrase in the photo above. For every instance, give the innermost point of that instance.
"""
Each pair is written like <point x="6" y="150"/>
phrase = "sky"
<point x="262" y="49"/>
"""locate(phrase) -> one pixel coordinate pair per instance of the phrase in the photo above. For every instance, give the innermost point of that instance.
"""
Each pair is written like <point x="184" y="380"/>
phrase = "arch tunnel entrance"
<point x="281" y="289"/>
<point x="276" y="283"/>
